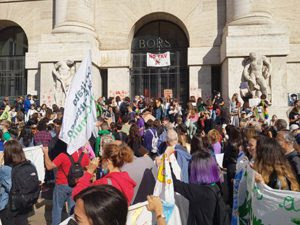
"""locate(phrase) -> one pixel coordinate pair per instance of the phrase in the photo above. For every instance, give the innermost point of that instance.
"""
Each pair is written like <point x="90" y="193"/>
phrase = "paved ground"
<point x="42" y="208"/>
<point x="42" y="213"/>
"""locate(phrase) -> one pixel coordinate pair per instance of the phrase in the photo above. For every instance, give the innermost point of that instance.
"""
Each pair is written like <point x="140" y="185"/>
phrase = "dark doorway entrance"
<point x="160" y="37"/>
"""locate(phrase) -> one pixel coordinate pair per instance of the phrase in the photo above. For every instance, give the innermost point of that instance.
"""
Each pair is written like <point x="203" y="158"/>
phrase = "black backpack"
<point x="76" y="170"/>
<point x="25" y="189"/>
<point x="222" y="211"/>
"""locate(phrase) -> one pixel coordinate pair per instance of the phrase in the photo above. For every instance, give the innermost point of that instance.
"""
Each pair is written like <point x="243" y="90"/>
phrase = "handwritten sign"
<point x="168" y="93"/>
<point x="158" y="60"/>
<point x="197" y="92"/>
<point x="121" y="93"/>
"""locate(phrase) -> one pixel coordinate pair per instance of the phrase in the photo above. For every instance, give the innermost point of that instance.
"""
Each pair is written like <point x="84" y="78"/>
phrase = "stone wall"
<point x="293" y="77"/>
<point x="211" y="42"/>
<point x="115" y="20"/>
<point x="287" y="13"/>
<point x="35" y="17"/>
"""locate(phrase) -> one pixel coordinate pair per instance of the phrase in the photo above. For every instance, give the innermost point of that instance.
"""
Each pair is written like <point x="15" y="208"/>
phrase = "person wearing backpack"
<point x="151" y="138"/>
<point x="20" y="186"/>
<point x="206" y="205"/>
<point x="69" y="169"/>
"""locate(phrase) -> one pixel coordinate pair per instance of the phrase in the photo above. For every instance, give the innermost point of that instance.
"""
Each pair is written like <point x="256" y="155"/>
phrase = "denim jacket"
<point x="5" y="185"/>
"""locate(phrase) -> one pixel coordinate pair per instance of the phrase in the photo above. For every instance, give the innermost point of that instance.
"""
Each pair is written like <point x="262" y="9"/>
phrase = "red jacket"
<point x="119" y="180"/>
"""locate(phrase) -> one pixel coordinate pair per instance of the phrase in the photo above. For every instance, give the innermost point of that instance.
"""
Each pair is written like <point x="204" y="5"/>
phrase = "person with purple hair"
<point x="202" y="189"/>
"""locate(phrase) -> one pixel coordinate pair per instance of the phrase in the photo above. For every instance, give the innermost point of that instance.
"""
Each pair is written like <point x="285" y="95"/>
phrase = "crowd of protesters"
<point x="121" y="162"/>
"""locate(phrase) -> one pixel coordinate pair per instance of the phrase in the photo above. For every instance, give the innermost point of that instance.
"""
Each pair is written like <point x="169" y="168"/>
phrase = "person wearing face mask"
<point x="113" y="158"/>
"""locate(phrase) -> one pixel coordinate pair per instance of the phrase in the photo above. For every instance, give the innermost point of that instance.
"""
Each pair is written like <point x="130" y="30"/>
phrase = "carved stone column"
<point x="74" y="16"/>
<point x="249" y="11"/>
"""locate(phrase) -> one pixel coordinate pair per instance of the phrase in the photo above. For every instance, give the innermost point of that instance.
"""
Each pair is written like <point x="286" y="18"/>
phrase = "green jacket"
<point x="99" y="109"/>
<point x="6" y="136"/>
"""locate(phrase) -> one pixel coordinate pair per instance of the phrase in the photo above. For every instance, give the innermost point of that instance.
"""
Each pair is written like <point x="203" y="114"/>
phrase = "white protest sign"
<point x="219" y="159"/>
<point x="254" y="102"/>
<point x="36" y="156"/>
<point x="80" y="111"/>
<point x="158" y="60"/>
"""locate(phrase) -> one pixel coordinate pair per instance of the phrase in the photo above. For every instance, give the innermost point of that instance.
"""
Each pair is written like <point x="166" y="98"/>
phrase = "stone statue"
<point x="257" y="73"/>
<point x="62" y="73"/>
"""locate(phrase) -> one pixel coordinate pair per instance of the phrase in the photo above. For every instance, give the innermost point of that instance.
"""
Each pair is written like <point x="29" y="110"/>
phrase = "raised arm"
<point x="182" y="188"/>
<point x="48" y="163"/>
<point x="85" y="180"/>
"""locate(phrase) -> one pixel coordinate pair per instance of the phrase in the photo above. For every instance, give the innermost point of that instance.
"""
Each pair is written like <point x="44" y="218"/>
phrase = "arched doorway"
<point x="159" y="37"/>
<point x="13" y="46"/>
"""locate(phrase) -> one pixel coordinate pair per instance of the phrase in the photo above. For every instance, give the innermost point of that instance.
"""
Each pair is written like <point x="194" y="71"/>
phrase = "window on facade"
<point x="13" y="46"/>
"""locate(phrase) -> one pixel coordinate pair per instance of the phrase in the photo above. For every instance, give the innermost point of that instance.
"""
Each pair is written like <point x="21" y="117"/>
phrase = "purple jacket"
<point x="148" y="138"/>
<point x="141" y="126"/>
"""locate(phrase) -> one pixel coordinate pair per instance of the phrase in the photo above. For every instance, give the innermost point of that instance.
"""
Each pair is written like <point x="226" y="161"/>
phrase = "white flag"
<point x="164" y="188"/>
<point x="80" y="111"/>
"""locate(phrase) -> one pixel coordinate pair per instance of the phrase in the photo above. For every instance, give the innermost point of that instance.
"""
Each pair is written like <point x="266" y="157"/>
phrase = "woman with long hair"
<point x="26" y="137"/>
<point x="231" y="151"/>
<point x="113" y="158"/>
<point x="13" y="156"/>
<point x="199" y="143"/>
<point x="202" y="188"/>
<point x="183" y="139"/>
<point x="234" y="109"/>
<point x="135" y="140"/>
<point x="215" y="139"/>
<point x="273" y="166"/>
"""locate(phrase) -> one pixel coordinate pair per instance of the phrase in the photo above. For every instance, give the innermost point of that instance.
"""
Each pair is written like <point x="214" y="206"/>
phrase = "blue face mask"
<point x="105" y="172"/>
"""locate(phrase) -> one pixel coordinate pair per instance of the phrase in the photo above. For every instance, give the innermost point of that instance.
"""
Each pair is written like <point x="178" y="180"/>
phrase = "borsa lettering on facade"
<point x="154" y="43"/>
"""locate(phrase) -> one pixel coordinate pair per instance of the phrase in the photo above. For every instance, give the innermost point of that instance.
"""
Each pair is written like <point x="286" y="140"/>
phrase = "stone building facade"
<point x="208" y="41"/>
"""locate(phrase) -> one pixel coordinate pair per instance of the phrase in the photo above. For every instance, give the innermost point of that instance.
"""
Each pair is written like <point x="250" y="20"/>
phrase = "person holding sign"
<point x="275" y="169"/>
<point x="202" y="189"/>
